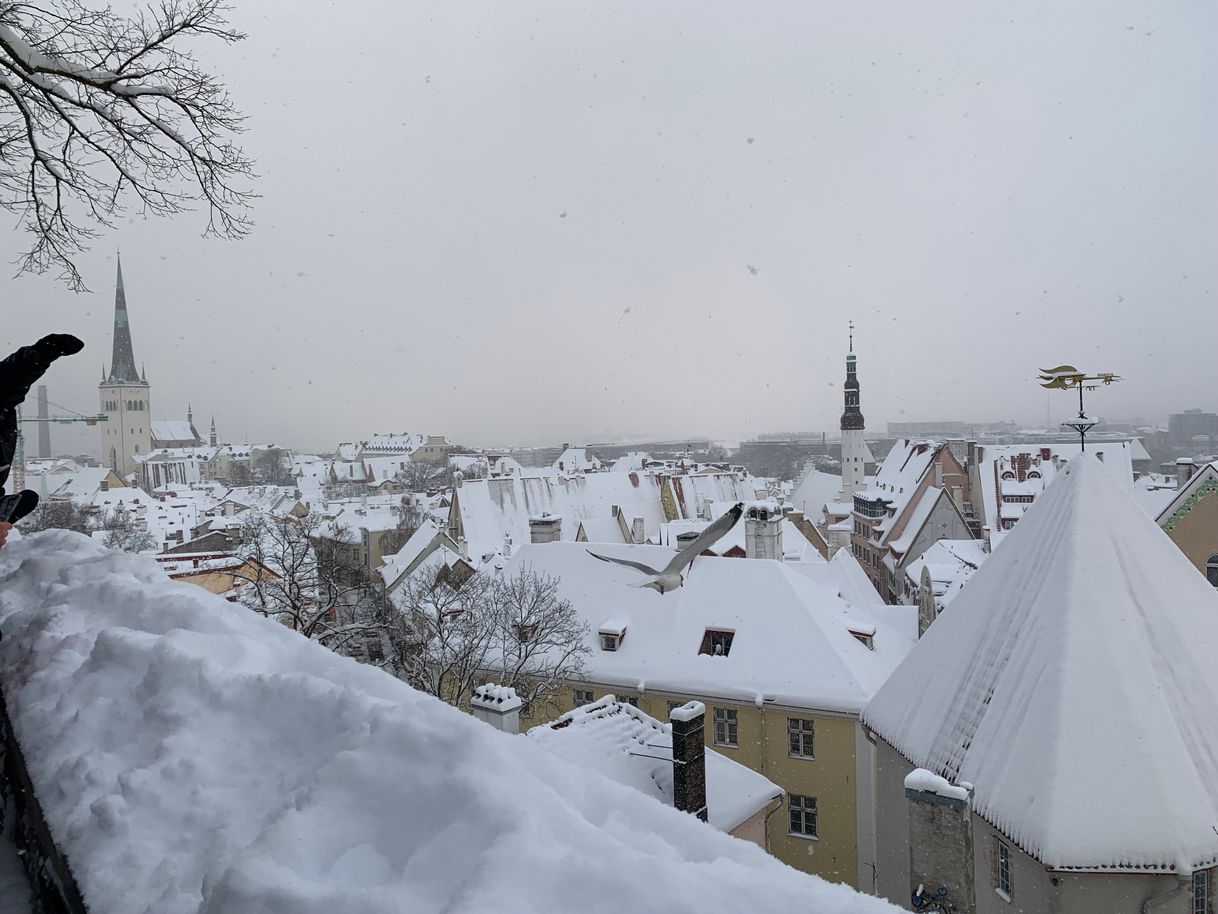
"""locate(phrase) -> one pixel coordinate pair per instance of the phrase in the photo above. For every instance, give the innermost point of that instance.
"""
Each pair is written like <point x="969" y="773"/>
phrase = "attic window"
<point x="716" y="642"/>
<point x="863" y="633"/>
<point x="611" y="633"/>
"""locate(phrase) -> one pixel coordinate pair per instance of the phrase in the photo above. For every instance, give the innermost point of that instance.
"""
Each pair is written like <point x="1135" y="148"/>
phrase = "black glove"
<point x="55" y="345"/>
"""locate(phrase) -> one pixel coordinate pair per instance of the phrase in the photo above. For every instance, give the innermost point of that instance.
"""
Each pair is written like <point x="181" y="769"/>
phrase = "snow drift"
<point x="191" y="756"/>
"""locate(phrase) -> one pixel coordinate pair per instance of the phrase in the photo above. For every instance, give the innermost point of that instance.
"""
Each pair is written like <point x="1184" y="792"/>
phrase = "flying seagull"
<point x="671" y="577"/>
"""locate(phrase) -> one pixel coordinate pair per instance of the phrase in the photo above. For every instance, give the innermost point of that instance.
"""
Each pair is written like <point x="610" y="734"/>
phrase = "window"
<point x="632" y="700"/>
<point x="1211" y="569"/>
<point x="609" y="642"/>
<point x="802" y="815"/>
<point x="716" y="643"/>
<point x="673" y="705"/>
<point x="1002" y="868"/>
<point x="581" y="697"/>
<point x="725" y="727"/>
<point x="799" y="738"/>
<point x="1201" y="893"/>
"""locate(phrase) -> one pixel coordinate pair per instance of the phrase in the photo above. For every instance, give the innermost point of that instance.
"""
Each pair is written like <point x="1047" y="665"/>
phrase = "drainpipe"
<point x="1183" y="884"/>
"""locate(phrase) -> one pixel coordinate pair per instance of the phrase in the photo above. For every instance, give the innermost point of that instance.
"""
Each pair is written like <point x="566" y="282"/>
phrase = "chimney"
<point x="986" y="543"/>
<point x="763" y="531"/>
<point x="972" y="453"/>
<point x="463" y="548"/>
<point x="507" y="545"/>
<point x="689" y="758"/>
<point x="1184" y="471"/>
<point x="498" y="706"/>
<point x="546" y="528"/>
<point x="638" y="531"/>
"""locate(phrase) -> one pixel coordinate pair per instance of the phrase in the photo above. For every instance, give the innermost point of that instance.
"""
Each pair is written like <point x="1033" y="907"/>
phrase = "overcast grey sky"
<point x="550" y="221"/>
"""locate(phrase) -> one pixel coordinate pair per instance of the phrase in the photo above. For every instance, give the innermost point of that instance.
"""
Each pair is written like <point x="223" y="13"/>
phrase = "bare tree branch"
<point x="95" y="107"/>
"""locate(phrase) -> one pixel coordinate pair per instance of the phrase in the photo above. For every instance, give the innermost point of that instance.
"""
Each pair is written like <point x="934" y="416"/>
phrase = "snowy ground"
<point x="195" y="757"/>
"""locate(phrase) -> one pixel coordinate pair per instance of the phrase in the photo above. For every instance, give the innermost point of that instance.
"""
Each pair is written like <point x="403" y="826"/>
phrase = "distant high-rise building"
<point x="854" y="449"/>
<point x="125" y="396"/>
<point x="1192" y="428"/>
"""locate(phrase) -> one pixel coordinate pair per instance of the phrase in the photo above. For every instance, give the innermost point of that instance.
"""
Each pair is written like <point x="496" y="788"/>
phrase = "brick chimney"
<point x="689" y="758"/>
<point x="546" y="528"/>
<point x="498" y="706"/>
<point x="763" y="532"/>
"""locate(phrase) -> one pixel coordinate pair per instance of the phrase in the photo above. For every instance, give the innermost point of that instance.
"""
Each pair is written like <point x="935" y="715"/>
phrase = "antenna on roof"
<point x="1067" y="377"/>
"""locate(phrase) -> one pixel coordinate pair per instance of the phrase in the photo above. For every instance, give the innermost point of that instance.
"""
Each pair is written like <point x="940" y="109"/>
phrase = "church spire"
<point x="855" y="455"/>
<point x="122" y="363"/>
<point x="852" y="416"/>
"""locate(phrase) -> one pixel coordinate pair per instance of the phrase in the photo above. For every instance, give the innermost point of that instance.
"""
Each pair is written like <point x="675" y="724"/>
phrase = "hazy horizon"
<point x="559" y="224"/>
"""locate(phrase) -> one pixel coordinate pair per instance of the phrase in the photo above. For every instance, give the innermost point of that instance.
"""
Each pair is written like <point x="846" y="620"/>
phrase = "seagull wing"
<point x="637" y="566"/>
<point x="706" y="538"/>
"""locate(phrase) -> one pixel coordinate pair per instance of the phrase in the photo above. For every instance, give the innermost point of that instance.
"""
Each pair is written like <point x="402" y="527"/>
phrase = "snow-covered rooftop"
<point x="173" y="430"/>
<point x="635" y="749"/>
<point x="792" y="640"/>
<point x="192" y="756"/>
<point x="1074" y="684"/>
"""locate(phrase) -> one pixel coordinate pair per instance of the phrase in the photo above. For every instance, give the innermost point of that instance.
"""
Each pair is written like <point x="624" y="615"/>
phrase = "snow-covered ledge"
<point x="195" y="757"/>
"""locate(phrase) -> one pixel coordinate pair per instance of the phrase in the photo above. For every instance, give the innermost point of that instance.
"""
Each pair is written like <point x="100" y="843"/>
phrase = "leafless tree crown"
<point x="95" y="107"/>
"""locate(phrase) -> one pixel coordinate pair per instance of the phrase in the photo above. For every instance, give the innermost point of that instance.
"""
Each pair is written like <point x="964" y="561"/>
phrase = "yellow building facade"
<point x="829" y="775"/>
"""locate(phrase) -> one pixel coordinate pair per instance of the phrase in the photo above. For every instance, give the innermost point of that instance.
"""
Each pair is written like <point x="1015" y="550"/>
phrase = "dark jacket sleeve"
<point x="18" y="373"/>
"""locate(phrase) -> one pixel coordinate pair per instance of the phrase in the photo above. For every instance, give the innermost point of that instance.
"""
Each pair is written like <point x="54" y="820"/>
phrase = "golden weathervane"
<point x="1067" y="377"/>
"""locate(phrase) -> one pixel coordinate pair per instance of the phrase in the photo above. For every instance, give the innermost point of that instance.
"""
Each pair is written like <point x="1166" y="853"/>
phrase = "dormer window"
<point x="611" y="632"/>
<point x="864" y="635"/>
<point x="717" y="642"/>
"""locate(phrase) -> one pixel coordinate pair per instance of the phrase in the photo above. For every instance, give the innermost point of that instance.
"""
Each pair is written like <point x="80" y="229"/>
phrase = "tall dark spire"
<point x="852" y="417"/>
<point x="122" y="363"/>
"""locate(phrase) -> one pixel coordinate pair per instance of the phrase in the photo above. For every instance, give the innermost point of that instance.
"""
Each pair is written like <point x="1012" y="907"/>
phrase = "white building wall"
<point x="854" y="462"/>
<point x="126" y="431"/>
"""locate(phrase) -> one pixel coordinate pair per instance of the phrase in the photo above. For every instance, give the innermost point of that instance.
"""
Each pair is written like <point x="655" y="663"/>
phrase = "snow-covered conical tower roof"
<point x="1073" y="682"/>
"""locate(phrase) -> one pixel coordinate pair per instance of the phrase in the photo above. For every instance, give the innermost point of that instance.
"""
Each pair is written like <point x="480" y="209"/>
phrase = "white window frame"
<point x="727" y="727"/>
<point x="805" y="730"/>
<point x="1002" y="869"/>
<point x="803" y="807"/>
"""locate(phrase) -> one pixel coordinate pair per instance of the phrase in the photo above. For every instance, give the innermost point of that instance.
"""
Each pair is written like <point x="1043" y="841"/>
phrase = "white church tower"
<point x="125" y="397"/>
<point x="855" y="453"/>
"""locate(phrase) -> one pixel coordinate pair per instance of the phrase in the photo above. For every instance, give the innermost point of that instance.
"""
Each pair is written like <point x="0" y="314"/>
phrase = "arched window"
<point x="1211" y="569"/>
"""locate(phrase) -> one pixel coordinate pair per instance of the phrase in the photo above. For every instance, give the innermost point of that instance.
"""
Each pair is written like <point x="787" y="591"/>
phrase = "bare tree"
<point x="240" y="474"/>
<point x="95" y="106"/>
<point x="410" y="518"/>
<point x="57" y="515"/>
<point x="340" y="490"/>
<point x="446" y="632"/>
<point x="273" y="468"/>
<point x="299" y="579"/>
<point x="423" y="477"/>
<point x="541" y="642"/>
<point x="123" y="533"/>
<point x="458" y="630"/>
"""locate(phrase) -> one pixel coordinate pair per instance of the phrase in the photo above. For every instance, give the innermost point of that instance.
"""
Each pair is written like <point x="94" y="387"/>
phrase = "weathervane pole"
<point x="1067" y="377"/>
